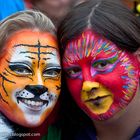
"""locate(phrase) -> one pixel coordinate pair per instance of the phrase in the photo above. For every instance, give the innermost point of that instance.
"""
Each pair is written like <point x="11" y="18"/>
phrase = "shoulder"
<point x="87" y="133"/>
<point x="136" y="135"/>
<point x="54" y="133"/>
<point x="5" y="129"/>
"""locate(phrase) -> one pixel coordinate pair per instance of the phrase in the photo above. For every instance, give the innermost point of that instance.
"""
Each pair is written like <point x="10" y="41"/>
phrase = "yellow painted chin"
<point x="102" y="107"/>
<point x="96" y="97"/>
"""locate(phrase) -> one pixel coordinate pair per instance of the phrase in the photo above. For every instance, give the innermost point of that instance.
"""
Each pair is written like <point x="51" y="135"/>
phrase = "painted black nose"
<point x="36" y="89"/>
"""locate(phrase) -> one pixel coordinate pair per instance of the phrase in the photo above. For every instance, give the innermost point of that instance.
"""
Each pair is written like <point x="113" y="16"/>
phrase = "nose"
<point x="90" y="87"/>
<point x="38" y="79"/>
<point x="37" y="90"/>
<point x="86" y="73"/>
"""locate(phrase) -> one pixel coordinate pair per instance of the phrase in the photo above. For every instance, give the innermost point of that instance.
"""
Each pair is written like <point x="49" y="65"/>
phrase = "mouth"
<point x="33" y="104"/>
<point x="98" y="100"/>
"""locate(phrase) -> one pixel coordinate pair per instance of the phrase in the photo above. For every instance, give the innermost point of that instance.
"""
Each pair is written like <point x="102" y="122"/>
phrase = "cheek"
<point x="116" y="82"/>
<point x="75" y="86"/>
<point x="112" y="80"/>
<point x="19" y="84"/>
<point x="54" y="86"/>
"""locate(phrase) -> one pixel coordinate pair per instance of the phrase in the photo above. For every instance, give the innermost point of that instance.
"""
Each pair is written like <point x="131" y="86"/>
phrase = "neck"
<point x="122" y="127"/>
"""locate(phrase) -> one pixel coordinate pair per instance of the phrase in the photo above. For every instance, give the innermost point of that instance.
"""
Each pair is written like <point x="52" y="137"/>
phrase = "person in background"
<point x="30" y="76"/>
<point x="8" y="7"/>
<point x="54" y="9"/>
<point x="100" y="46"/>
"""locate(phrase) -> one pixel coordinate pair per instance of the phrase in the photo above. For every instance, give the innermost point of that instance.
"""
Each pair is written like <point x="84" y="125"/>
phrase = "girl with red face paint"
<point x="100" y="42"/>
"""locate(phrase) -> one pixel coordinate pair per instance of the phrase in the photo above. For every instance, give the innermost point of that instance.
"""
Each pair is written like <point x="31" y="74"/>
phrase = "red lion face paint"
<point x="101" y="77"/>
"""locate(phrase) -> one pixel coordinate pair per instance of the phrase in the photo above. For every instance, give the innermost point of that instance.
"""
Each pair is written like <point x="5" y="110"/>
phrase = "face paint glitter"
<point x="91" y="59"/>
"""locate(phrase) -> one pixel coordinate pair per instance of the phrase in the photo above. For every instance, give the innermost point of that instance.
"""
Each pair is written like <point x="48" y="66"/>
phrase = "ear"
<point x="137" y="54"/>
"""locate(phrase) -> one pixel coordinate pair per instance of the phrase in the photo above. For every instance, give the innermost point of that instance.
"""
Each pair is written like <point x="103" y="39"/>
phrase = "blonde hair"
<point x="28" y="19"/>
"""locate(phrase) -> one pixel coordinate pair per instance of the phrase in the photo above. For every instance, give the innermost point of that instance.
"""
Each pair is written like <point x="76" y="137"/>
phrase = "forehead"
<point x="31" y="43"/>
<point x="88" y="44"/>
<point x="32" y="37"/>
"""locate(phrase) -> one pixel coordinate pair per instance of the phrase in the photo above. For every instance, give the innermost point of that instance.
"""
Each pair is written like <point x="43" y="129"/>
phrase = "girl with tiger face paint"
<point x="30" y="73"/>
<point x="100" y="40"/>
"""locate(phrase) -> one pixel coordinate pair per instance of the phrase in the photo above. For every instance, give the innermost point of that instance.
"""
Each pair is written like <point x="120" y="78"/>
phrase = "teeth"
<point x="37" y="103"/>
<point x="26" y="101"/>
<point x="33" y="103"/>
<point x="29" y="102"/>
<point x="41" y="103"/>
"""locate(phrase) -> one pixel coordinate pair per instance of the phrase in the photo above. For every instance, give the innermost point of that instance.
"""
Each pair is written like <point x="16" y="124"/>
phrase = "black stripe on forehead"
<point x="35" y="46"/>
<point x="38" y="46"/>
<point x="36" y="53"/>
<point x="30" y="57"/>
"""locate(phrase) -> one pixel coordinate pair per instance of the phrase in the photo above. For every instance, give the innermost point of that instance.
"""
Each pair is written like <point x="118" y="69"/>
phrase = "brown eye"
<point x="20" y="69"/>
<point x="73" y="72"/>
<point x="52" y="72"/>
<point x="101" y="65"/>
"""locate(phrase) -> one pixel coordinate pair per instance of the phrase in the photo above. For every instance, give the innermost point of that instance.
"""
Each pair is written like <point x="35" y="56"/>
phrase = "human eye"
<point x="52" y="72"/>
<point x="105" y="64"/>
<point x="101" y="65"/>
<point x="73" y="72"/>
<point x="20" y="69"/>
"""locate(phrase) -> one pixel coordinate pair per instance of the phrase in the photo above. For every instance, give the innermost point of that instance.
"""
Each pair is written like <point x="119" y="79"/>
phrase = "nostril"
<point x="42" y="88"/>
<point x="93" y="89"/>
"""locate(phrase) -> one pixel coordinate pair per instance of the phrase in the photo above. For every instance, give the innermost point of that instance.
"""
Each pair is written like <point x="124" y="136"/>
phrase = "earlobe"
<point x="137" y="54"/>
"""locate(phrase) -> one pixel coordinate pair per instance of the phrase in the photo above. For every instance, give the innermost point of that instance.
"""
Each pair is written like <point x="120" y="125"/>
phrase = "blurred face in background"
<point x="55" y="9"/>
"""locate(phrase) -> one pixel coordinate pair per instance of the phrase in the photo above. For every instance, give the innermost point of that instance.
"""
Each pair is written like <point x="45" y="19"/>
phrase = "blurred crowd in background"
<point x="55" y="9"/>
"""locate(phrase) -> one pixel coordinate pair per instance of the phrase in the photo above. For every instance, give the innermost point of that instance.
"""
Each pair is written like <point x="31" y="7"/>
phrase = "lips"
<point x="32" y="103"/>
<point x="97" y="101"/>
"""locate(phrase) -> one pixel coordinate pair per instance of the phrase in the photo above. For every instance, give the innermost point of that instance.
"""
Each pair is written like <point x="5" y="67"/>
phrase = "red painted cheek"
<point x="113" y="81"/>
<point x="75" y="86"/>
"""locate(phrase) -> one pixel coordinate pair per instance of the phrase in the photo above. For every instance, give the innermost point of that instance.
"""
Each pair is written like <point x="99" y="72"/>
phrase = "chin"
<point x="32" y="124"/>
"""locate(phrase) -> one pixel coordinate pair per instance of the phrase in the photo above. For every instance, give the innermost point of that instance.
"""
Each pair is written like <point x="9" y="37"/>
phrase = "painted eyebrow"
<point x="71" y="67"/>
<point x="110" y="60"/>
<point x="30" y="57"/>
<point x="36" y="46"/>
<point x="46" y="58"/>
<point x="36" y="52"/>
<point x="53" y="65"/>
<point x="24" y="63"/>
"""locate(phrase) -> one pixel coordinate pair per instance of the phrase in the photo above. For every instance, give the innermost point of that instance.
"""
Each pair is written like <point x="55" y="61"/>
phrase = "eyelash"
<point x="76" y="71"/>
<point x="52" y="72"/>
<point x="101" y="65"/>
<point x="73" y="72"/>
<point x="21" y="69"/>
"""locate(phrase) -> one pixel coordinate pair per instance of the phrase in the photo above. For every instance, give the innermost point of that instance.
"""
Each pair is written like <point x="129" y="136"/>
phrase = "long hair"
<point x="108" y="18"/>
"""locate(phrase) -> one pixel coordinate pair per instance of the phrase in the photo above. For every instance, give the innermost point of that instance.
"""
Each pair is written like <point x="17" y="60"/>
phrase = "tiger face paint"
<point x="30" y="77"/>
<point x="102" y="78"/>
